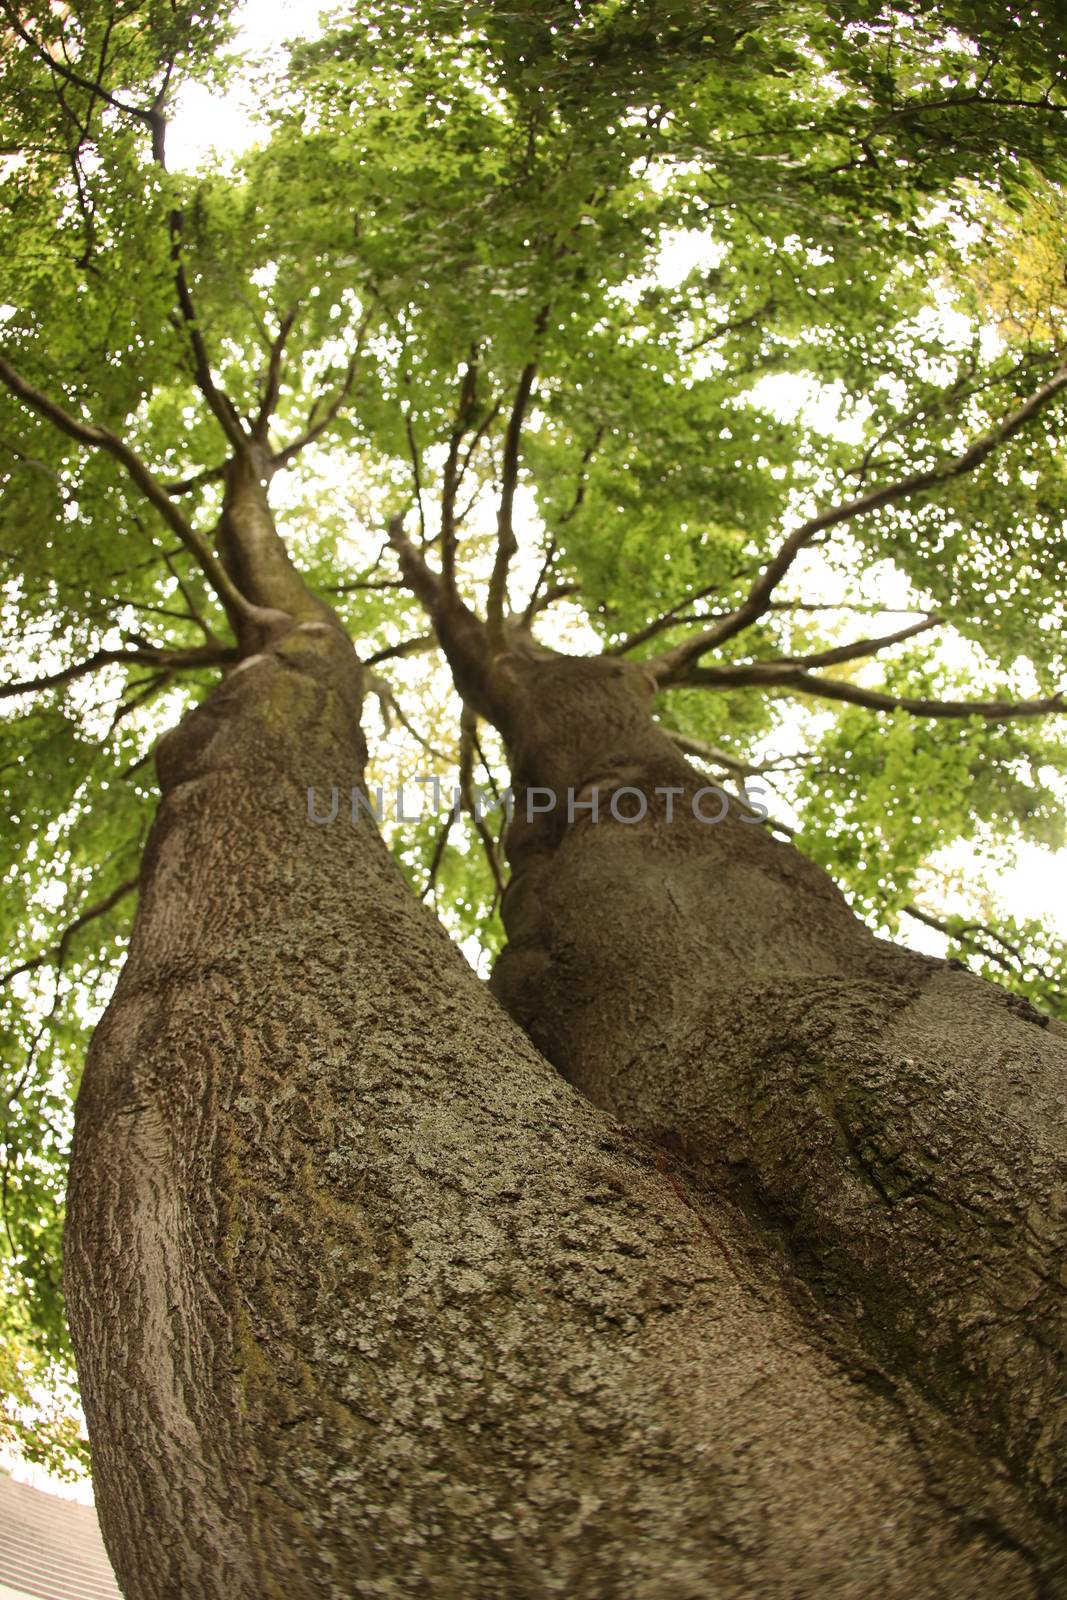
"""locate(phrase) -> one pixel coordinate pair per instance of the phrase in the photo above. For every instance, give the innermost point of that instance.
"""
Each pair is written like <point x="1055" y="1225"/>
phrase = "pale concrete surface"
<point x="50" y="1549"/>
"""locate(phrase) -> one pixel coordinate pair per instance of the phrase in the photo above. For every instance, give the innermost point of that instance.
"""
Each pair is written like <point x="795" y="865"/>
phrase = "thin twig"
<point x="672" y="663"/>
<point x="60" y="948"/>
<point x="237" y="607"/>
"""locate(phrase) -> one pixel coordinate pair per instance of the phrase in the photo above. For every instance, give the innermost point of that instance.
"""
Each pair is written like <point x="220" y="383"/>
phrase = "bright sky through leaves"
<point x="208" y="121"/>
<point x="712" y="371"/>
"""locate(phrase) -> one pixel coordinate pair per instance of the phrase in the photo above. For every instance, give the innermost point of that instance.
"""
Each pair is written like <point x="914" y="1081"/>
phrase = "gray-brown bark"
<point x="368" y="1301"/>
<point x="897" y="1124"/>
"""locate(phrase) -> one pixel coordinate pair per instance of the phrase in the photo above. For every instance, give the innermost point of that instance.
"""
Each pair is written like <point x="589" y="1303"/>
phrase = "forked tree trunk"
<point x="897" y="1124"/>
<point x="368" y="1301"/>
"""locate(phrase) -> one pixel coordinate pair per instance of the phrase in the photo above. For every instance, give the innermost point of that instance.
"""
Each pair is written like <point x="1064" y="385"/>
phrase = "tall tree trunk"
<point x="895" y="1123"/>
<point x="368" y="1301"/>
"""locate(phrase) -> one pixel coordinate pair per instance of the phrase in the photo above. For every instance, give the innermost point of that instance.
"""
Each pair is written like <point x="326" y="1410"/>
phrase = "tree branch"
<point x="415" y="458"/>
<point x="971" y="936"/>
<point x="390" y="707"/>
<point x="668" y="620"/>
<point x="315" y="428"/>
<point x="237" y="607"/>
<point x="533" y="604"/>
<point x="716" y="756"/>
<point x="583" y="479"/>
<point x="468" y="395"/>
<point x="467" y="747"/>
<point x="359" y="584"/>
<point x="219" y="403"/>
<point x="143" y="691"/>
<point x="461" y="634"/>
<point x="142" y="655"/>
<point x="732" y="325"/>
<point x="430" y="886"/>
<point x="496" y="604"/>
<point x="859" y="606"/>
<point x="152" y="118"/>
<point x="68" y="74"/>
<point x="62" y="945"/>
<point x="476" y="439"/>
<point x="769" y="675"/>
<point x="505" y="531"/>
<point x="558" y="591"/>
<point x="667" y="666"/>
<point x="420" y="578"/>
<point x="707" y="752"/>
<point x="196" y="481"/>
<point x="539" y="603"/>
<point x="856" y="651"/>
<point x="397" y="652"/>
<point x="272" y="385"/>
<point x="194" y="612"/>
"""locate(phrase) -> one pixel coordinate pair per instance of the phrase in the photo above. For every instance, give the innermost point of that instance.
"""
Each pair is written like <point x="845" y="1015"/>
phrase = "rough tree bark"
<point x="894" y="1123"/>
<point x="369" y="1301"/>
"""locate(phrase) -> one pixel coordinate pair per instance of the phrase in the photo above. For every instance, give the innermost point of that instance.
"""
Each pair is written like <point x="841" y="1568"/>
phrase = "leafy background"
<point x="765" y="255"/>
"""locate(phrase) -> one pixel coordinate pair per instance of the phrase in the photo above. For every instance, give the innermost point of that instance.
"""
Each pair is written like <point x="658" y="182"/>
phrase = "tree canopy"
<point x="729" y="338"/>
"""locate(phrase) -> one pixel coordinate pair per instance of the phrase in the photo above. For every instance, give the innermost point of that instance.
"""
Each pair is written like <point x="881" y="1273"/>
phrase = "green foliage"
<point x="763" y="258"/>
<point x="1018" y="953"/>
<point x="883" y="793"/>
<point x="38" y="1402"/>
<point x="458" y="880"/>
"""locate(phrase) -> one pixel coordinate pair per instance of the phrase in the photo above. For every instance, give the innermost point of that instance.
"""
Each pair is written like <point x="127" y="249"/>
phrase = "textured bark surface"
<point x="368" y="1301"/>
<point x="897" y="1125"/>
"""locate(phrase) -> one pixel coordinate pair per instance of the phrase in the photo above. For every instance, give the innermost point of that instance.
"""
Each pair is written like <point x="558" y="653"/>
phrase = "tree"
<point x="724" y="1255"/>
